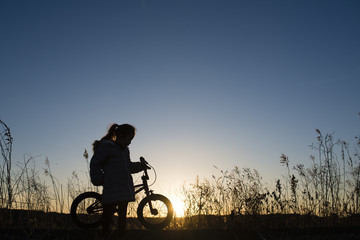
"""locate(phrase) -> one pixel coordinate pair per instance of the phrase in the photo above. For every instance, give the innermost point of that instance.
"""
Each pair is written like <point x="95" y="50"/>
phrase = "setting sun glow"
<point x="179" y="207"/>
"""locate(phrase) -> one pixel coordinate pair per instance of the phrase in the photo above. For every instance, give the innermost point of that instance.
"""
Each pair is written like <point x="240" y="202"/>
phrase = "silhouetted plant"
<point x="29" y="191"/>
<point x="277" y="204"/>
<point x="6" y="190"/>
<point x="239" y="191"/>
<point x="329" y="187"/>
<point x="57" y="189"/>
<point x="331" y="184"/>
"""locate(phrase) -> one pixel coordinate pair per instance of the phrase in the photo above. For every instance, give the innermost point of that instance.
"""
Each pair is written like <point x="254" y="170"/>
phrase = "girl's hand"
<point x="144" y="163"/>
<point x="145" y="166"/>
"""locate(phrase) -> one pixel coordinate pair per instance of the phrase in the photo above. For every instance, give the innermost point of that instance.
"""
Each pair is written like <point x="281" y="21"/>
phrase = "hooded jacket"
<point x="111" y="167"/>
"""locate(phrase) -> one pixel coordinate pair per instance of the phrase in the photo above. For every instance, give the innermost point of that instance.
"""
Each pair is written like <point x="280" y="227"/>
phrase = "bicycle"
<point x="154" y="211"/>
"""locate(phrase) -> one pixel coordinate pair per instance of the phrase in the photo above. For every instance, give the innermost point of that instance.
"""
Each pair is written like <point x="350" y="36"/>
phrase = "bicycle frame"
<point x="144" y="186"/>
<point x="96" y="206"/>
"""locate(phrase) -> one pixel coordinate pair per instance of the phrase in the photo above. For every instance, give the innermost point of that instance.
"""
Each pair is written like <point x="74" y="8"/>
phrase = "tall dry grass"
<point x="26" y="187"/>
<point x="328" y="186"/>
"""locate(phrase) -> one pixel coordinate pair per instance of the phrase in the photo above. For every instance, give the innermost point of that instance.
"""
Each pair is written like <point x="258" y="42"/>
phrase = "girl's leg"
<point x="122" y="212"/>
<point x="108" y="213"/>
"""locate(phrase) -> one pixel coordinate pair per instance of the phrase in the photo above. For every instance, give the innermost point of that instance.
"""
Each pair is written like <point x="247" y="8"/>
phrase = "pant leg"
<point x="122" y="212"/>
<point x="108" y="212"/>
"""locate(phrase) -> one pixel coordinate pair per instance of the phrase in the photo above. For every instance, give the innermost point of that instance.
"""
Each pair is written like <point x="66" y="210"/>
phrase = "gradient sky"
<point x="225" y="83"/>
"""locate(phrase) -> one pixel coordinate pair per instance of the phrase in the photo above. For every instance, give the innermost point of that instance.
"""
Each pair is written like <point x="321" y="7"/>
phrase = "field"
<point x="319" y="201"/>
<point x="20" y="224"/>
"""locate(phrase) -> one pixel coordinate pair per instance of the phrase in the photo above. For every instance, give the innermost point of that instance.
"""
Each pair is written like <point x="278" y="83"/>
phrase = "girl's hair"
<point x="118" y="131"/>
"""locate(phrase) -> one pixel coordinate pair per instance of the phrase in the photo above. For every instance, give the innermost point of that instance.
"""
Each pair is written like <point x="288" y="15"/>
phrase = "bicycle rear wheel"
<point x="161" y="214"/>
<point x="86" y="210"/>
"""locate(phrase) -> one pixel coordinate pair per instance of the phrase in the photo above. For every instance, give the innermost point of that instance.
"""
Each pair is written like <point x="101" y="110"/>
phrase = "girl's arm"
<point x="134" y="167"/>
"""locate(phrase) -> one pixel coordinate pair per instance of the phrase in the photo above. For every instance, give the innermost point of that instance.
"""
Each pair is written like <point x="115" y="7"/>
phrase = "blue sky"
<point x="225" y="83"/>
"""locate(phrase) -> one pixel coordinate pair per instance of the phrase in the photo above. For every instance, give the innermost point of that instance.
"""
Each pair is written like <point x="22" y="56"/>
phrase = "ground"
<point x="286" y="234"/>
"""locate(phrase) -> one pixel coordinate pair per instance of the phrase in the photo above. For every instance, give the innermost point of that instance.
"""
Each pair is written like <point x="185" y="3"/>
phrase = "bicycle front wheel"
<point x="155" y="211"/>
<point x="86" y="210"/>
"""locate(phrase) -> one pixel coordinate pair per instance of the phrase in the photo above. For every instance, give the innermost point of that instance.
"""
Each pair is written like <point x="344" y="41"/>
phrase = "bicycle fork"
<point x="153" y="211"/>
<point x="148" y="193"/>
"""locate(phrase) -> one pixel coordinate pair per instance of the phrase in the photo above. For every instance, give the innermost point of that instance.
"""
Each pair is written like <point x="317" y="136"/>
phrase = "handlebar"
<point x="145" y="177"/>
<point x="143" y="161"/>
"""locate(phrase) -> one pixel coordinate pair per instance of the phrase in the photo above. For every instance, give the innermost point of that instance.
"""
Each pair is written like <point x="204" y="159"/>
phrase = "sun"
<point x="179" y="207"/>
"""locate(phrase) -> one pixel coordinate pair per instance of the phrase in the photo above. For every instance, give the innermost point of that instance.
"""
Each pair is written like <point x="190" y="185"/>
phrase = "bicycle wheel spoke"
<point x="158" y="214"/>
<point x="89" y="211"/>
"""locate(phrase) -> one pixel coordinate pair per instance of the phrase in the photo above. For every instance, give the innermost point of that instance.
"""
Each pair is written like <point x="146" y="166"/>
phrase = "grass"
<point x="325" y="194"/>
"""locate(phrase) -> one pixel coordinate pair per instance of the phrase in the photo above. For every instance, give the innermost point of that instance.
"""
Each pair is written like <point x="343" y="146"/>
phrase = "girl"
<point x="111" y="167"/>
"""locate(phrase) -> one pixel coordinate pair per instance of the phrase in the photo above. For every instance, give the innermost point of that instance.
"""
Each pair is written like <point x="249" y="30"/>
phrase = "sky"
<point x="206" y="83"/>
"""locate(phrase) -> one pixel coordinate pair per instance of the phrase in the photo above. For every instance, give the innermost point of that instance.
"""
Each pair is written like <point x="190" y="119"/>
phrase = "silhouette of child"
<point x="111" y="167"/>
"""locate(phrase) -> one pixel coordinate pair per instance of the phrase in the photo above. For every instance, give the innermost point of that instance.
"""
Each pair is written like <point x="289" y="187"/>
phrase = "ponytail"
<point x="111" y="131"/>
<point x="116" y="130"/>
